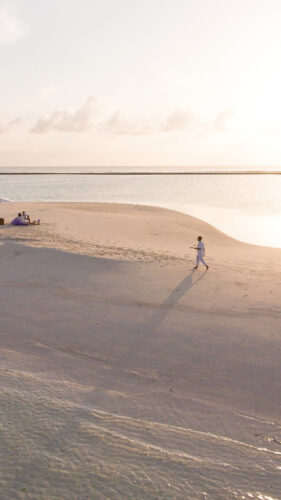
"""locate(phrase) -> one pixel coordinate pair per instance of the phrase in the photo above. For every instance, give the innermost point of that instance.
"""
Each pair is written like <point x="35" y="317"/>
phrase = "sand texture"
<point x="124" y="373"/>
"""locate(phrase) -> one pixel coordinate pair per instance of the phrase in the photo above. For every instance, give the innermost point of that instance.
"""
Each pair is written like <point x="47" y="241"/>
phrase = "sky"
<point x="140" y="83"/>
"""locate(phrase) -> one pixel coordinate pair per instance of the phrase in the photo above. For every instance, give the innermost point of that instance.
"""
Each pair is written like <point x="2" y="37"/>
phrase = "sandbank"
<point x="127" y="374"/>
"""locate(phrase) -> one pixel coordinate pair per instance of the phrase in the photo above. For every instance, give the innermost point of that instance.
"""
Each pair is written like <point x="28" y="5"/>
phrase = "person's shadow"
<point x="173" y="298"/>
<point x="145" y="335"/>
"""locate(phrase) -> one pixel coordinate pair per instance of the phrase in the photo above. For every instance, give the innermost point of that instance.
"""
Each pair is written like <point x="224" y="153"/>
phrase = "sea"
<point x="245" y="206"/>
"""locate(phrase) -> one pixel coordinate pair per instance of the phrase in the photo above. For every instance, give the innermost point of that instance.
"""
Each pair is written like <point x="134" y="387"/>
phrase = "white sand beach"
<point x="126" y="374"/>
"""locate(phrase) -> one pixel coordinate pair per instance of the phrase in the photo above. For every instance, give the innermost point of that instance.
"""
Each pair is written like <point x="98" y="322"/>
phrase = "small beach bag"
<point x="2" y="221"/>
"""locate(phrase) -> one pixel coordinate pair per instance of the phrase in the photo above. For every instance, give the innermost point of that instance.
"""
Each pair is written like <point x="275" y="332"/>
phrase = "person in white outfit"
<point x="25" y="217"/>
<point x="200" y="253"/>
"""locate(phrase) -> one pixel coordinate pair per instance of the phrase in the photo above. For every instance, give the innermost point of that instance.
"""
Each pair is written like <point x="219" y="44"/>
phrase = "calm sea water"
<point x="247" y="207"/>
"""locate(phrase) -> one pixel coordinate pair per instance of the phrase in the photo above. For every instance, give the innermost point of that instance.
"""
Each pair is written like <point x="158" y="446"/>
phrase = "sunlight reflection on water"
<point x="246" y="207"/>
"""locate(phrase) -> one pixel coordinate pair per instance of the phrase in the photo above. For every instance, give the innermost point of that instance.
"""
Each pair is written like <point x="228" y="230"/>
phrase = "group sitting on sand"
<point x="23" y="219"/>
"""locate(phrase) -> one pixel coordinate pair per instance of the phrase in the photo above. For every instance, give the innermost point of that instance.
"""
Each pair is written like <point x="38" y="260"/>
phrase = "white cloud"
<point x="80" y="120"/>
<point x="8" y="127"/>
<point x="86" y="118"/>
<point x="220" y="122"/>
<point x="120" y="125"/>
<point x="176" y="121"/>
<point x="179" y="120"/>
<point x="12" y="27"/>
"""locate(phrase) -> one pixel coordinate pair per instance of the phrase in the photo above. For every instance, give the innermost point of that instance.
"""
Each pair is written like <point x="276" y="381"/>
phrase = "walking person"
<point x="200" y="253"/>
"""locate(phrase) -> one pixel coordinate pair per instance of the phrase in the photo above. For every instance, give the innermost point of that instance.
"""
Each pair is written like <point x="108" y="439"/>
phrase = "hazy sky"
<point x="140" y="82"/>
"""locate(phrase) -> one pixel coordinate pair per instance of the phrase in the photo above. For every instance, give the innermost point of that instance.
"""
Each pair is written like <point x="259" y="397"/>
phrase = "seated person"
<point x="25" y="216"/>
<point x="24" y="220"/>
<point x="19" y="221"/>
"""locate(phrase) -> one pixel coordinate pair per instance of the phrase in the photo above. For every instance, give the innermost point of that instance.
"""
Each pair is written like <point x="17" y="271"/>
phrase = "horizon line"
<point x="208" y="172"/>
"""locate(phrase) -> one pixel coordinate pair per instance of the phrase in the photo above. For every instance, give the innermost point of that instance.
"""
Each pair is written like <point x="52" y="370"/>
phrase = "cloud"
<point x="176" y="121"/>
<point x="8" y="127"/>
<point x="120" y="125"/>
<point x="12" y="28"/>
<point x="85" y="118"/>
<point x="80" y="120"/>
<point x="179" y="120"/>
<point x="220" y="122"/>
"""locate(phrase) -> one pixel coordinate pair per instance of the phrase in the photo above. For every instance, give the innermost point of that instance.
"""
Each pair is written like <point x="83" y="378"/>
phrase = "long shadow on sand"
<point x="179" y="291"/>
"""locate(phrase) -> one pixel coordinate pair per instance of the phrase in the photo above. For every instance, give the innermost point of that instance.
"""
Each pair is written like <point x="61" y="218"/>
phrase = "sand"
<point x="127" y="374"/>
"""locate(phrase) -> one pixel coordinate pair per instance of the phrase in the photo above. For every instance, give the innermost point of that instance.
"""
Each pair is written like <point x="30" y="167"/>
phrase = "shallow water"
<point x="73" y="450"/>
<point x="246" y="207"/>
